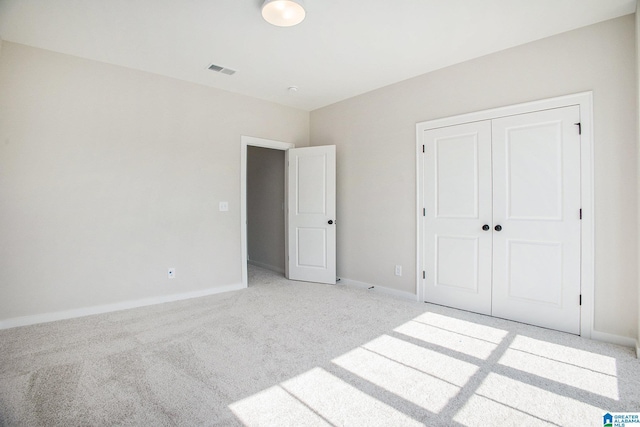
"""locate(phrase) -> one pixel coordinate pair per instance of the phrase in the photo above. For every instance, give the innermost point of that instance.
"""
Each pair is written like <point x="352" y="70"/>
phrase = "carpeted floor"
<point x="284" y="353"/>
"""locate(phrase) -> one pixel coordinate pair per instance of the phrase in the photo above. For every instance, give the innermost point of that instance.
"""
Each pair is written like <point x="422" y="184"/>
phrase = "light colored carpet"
<point x="290" y="353"/>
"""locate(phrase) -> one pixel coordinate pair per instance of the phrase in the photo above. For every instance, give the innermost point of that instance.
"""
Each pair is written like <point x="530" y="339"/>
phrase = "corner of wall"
<point x="614" y="339"/>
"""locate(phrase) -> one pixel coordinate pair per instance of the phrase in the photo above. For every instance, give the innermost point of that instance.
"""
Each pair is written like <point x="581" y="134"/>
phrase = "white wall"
<point x="108" y="176"/>
<point x="375" y="138"/>
<point x="265" y="201"/>
<point x="638" y="158"/>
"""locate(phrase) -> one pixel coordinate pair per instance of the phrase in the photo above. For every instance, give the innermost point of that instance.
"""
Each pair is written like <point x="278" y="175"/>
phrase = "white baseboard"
<point x="614" y="339"/>
<point x="637" y="349"/>
<point x="266" y="266"/>
<point x="381" y="289"/>
<point x="107" y="308"/>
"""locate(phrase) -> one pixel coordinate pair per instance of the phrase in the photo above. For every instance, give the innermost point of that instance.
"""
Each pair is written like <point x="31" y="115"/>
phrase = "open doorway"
<point x="265" y="208"/>
<point x="310" y="197"/>
<point x="262" y="198"/>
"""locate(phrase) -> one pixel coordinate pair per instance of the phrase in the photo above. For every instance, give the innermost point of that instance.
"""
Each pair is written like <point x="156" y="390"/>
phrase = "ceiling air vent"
<point x="219" y="69"/>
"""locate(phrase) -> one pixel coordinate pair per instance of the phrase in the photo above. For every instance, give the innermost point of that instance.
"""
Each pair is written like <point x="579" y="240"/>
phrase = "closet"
<point x="501" y="220"/>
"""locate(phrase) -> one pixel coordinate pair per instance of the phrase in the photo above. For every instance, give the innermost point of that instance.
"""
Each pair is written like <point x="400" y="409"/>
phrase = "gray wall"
<point x="108" y="176"/>
<point x="375" y="138"/>
<point x="265" y="201"/>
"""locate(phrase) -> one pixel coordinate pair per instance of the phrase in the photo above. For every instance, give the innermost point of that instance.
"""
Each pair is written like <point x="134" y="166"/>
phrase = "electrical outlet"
<point x="398" y="270"/>
<point x="223" y="206"/>
<point x="171" y="273"/>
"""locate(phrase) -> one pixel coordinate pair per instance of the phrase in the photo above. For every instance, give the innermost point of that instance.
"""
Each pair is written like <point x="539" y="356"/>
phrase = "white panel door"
<point x="457" y="186"/>
<point x="536" y="208"/>
<point x="311" y="217"/>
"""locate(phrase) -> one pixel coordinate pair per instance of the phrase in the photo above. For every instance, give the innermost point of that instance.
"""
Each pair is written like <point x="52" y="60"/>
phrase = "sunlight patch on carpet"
<point x="412" y="385"/>
<point x="341" y="403"/>
<point x="463" y="327"/>
<point x="275" y="407"/>
<point x="516" y="401"/>
<point x="317" y="398"/>
<point x="565" y="373"/>
<point x="472" y="373"/>
<point x="461" y="343"/>
<point x="561" y="353"/>
<point x="427" y="361"/>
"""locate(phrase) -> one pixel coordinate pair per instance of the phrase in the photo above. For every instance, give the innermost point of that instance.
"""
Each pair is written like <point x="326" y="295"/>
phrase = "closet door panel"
<point x="457" y="185"/>
<point x="536" y="205"/>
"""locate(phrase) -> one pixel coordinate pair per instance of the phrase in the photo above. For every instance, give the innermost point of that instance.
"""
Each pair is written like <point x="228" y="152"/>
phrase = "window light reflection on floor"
<point x="479" y="411"/>
<point x="430" y="362"/>
<point x="514" y="402"/>
<point x="341" y="403"/>
<point x="275" y="407"/>
<point x="514" y="379"/>
<point x="317" y="398"/>
<point x="414" y="386"/>
<point x="475" y="330"/>
<point x="461" y="343"/>
<point x="561" y="353"/>
<point x="560" y="371"/>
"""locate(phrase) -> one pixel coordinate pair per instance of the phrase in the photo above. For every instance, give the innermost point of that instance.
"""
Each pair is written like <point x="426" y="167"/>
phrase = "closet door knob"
<point x="486" y="227"/>
<point x="498" y="227"/>
<point x="330" y="222"/>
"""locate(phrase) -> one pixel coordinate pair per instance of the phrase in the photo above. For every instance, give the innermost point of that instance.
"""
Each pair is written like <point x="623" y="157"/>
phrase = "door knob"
<point x="486" y="227"/>
<point x="330" y="222"/>
<point x="498" y="227"/>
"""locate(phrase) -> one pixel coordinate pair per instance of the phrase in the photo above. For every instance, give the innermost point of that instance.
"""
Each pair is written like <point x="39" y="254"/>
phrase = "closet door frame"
<point x="585" y="102"/>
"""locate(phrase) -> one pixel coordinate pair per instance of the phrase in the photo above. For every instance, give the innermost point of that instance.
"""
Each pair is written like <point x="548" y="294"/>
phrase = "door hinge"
<point x="579" y="127"/>
<point x="424" y="211"/>
<point x="424" y="274"/>
<point x="423" y="148"/>
<point x="580" y="299"/>
<point x="581" y="213"/>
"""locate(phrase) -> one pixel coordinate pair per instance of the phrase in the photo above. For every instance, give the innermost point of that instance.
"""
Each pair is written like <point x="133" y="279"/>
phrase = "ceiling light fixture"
<point x="283" y="13"/>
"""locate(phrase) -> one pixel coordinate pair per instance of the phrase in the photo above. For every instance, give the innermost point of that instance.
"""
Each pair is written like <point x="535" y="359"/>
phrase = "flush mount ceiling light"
<point x="283" y="13"/>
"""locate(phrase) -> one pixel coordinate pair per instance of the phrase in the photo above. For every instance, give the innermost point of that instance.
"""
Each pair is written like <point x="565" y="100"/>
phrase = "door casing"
<point x="585" y="102"/>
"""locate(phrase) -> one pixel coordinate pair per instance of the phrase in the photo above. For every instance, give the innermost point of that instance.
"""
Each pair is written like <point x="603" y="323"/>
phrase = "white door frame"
<point x="246" y="141"/>
<point x="585" y="101"/>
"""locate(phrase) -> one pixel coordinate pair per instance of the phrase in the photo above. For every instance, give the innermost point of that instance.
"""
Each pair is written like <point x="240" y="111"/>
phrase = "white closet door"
<point x="536" y="202"/>
<point x="457" y="185"/>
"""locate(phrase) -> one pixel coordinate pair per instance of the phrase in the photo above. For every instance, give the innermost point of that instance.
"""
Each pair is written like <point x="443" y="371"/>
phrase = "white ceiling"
<point x="343" y="48"/>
